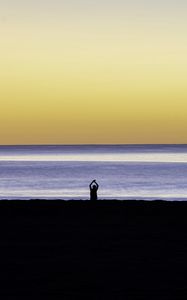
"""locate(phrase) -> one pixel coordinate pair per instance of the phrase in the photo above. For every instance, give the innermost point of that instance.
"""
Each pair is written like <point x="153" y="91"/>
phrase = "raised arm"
<point x="91" y="184"/>
<point x="96" y="184"/>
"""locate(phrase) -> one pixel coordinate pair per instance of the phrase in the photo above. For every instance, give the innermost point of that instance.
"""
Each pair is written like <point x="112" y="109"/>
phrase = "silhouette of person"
<point x="93" y="190"/>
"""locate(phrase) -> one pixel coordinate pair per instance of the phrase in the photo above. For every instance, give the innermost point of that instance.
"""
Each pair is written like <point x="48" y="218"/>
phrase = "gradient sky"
<point x="102" y="71"/>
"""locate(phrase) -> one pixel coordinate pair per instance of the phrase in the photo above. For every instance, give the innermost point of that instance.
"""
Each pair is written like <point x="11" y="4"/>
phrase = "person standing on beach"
<point x="93" y="190"/>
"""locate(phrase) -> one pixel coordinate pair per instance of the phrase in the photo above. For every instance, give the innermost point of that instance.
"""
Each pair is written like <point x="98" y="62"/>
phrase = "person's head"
<point x="94" y="187"/>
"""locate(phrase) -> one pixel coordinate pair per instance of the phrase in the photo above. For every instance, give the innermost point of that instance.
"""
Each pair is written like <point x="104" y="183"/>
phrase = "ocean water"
<point x="123" y="171"/>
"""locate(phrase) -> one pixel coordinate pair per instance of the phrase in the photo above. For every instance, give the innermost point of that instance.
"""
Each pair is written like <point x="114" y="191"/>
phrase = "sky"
<point x="93" y="72"/>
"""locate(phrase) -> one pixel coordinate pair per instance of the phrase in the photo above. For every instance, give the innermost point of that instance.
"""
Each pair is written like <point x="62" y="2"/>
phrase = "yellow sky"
<point x="93" y="72"/>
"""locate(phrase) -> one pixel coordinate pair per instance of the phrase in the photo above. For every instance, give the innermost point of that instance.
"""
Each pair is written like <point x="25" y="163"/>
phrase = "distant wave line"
<point x="151" y="158"/>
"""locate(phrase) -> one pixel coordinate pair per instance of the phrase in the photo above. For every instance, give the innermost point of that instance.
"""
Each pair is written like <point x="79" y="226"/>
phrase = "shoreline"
<point x="99" y="200"/>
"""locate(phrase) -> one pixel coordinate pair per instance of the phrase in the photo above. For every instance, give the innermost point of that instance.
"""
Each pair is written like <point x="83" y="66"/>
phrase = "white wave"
<point x="125" y="157"/>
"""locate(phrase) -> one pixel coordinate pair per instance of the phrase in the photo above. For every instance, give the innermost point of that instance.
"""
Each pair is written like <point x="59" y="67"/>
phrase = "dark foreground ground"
<point x="102" y="250"/>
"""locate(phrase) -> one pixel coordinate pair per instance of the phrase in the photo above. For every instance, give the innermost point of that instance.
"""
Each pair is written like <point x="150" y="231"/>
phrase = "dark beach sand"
<point x="102" y="250"/>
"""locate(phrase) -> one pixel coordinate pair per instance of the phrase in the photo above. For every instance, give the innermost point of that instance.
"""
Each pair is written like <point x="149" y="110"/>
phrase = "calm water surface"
<point x="123" y="171"/>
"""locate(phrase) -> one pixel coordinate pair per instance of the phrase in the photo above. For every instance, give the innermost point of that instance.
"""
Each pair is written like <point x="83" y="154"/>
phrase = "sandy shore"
<point x="102" y="250"/>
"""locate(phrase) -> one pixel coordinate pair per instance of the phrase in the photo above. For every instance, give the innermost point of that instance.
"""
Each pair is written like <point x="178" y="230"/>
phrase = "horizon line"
<point x="95" y="144"/>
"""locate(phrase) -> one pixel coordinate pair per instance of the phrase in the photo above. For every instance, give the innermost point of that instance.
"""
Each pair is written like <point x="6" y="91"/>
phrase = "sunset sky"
<point x="101" y="71"/>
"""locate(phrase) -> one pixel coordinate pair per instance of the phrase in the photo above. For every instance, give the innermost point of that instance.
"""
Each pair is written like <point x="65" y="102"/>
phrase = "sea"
<point x="129" y="172"/>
